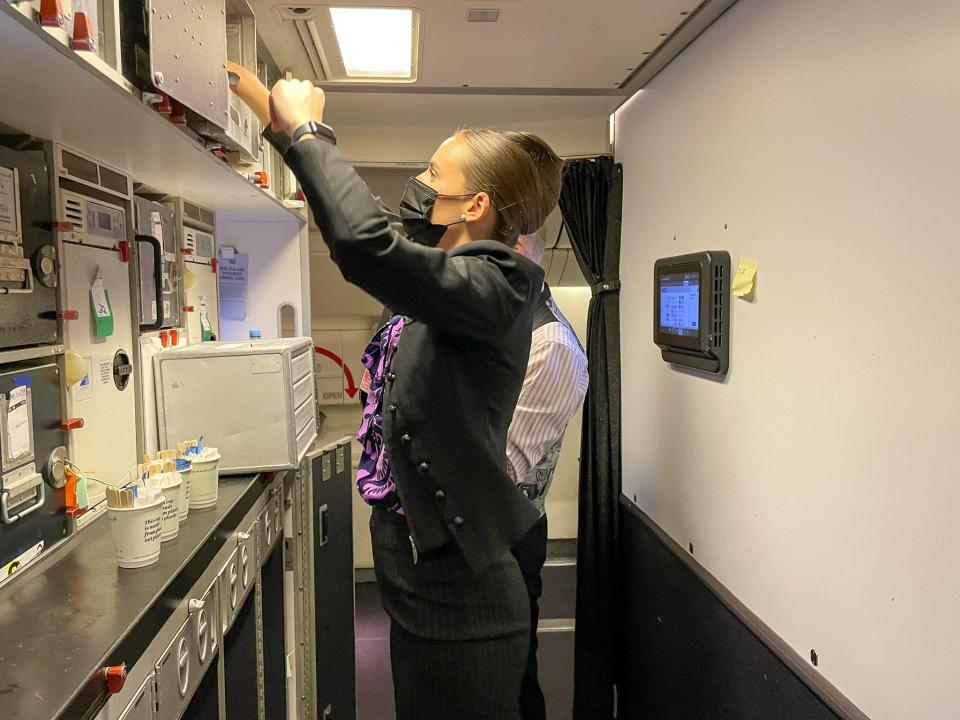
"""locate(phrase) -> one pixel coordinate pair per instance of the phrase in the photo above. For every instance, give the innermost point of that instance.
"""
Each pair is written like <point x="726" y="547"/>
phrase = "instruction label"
<point x="156" y="225"/>
<point x="18" y="423"/>
<point x="232" y="276"/>
<point x="105" y="371"/>
<point x="9" y="209"/>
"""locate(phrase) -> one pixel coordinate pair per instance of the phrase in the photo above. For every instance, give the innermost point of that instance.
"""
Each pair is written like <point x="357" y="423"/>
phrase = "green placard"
<point x="206" y="329"/>
<point x="101" y="309"/>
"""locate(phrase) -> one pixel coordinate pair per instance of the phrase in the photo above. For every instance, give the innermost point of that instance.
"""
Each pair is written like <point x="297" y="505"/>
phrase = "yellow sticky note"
<point x="745" y="280"/>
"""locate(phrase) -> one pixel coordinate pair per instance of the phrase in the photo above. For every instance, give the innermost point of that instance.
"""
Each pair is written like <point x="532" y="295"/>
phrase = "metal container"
<point x="158" y="269"/>
<point x="253" y="401"/>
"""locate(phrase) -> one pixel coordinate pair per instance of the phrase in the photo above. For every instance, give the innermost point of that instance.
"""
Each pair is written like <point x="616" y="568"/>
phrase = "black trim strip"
<point x="819" y="685"/>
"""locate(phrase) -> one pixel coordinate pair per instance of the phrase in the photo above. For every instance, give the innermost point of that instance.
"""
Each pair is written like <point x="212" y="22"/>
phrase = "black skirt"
<point x="458" y="639"/>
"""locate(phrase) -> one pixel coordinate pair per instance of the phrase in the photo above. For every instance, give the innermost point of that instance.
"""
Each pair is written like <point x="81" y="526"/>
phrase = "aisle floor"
<point x="374" y="683"/>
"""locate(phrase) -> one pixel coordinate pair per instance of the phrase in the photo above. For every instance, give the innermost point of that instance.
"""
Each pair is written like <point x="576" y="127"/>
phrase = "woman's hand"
<point x="294" y="103"/>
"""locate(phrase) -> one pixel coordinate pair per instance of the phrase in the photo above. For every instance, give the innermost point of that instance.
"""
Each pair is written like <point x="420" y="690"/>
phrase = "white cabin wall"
<point x="818" y="481"/>
<point x="395" y="128"/>
<point x="275" y="276"/>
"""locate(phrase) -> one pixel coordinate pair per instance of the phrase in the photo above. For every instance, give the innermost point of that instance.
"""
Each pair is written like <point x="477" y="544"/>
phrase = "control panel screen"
<point x="680" y="304"/>
<point x="105" y="222"/>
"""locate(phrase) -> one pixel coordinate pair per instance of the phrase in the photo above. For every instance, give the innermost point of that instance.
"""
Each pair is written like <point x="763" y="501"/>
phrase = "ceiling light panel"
<point x="375" y="42"/>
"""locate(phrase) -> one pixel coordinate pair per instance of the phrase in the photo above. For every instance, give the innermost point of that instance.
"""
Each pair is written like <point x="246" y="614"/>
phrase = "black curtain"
<point x="591" y="203"/>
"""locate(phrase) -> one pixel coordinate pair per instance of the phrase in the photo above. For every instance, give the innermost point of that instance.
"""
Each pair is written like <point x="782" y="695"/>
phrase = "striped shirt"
<point x="554" y="386"/>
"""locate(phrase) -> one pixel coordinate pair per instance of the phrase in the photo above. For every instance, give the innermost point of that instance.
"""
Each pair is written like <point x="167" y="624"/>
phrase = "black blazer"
<point x="459" y="367"/>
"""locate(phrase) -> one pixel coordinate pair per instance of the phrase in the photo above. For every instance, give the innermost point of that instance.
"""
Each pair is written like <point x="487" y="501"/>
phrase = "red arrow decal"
<point x="329" y="354"/>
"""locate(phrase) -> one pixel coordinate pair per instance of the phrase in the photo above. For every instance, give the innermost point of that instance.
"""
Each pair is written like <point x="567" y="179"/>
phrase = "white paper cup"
<point x="136" y="533"/>
<point x="183" y="502"/>
<point x="170" y="484"/>
<point x="204" y="479"/>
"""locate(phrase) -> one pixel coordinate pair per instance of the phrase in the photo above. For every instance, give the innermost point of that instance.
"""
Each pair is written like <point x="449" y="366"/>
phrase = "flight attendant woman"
<point x="446" y="372"/>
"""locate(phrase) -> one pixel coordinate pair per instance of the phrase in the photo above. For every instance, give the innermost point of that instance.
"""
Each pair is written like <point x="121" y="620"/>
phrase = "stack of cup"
<point x="167" y="480"/>
<point x="170" y="459"/>
<point x="136" y="526"/>
<point x="204" y="476"/>
<point x="184" y="471"/>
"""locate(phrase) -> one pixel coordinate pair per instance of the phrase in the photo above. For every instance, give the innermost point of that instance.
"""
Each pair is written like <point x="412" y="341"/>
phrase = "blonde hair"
<point x="521" y="174"/>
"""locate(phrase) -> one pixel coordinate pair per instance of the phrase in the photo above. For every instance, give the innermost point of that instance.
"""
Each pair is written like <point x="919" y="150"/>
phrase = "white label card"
<point x="105" y="371"/>
<point x="9" y="210"/>
<point x="100" y="305"/>
<point x="157" y="225"/>
<point x="18" y="423"/>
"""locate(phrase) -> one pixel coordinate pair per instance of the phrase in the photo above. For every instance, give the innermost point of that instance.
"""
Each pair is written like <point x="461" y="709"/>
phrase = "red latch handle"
<point x="174" y="337"/>
<point x="213" y="264"/>
<point x="165" y="337"/>
<point x="116" y="676"/>
<point x="124" y="247"/>
<point x="178" y="115"/>
<point x="188" y="308"/>
<point x="68" y="315"/>
<point x="63" y="226"/>
<point x="83" y="38"/>
<point x="72" y="424"/>
<point x="51" y="13"/>
<point x="186" y="251"/>
<point x="163" y="107"/>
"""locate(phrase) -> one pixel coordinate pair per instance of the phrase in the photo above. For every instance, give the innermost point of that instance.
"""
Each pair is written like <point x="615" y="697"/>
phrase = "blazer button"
<point x="423" y="468"/>
<point x="405" y="439"/>
<point x="392" y="408"/>
<point x="458" y="521"/>
<point x="391" y="376"/>
<point x="440" y="495"/>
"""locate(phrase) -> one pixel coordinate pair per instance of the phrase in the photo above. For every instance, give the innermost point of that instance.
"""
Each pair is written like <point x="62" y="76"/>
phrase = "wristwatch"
<point x="314" y="128"/>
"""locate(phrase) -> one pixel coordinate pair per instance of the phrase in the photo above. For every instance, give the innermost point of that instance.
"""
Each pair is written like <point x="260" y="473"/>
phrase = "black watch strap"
<point x="314" y="128"/>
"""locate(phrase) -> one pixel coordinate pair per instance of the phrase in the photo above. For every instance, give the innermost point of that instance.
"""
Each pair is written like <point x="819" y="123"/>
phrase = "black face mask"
<point x="415" y="206"/>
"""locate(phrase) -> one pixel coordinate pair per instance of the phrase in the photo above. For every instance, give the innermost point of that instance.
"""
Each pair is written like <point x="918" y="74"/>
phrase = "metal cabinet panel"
<point x="157" y="221"/>
<point x="191" y="654"/>
<point x="271" y="522"/>
<point x="178" y="674"/>
<point x="37" y="515"/>
<point x="107" y="442"/>
<point x="141" y="707"/>
<point x="333" y="600"/>
<point x="28" y="256"/>
<point x="188" y="46"/>
<point x="230" y="590"/>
